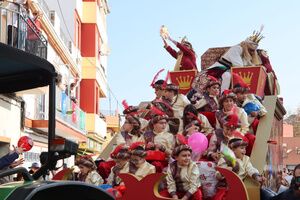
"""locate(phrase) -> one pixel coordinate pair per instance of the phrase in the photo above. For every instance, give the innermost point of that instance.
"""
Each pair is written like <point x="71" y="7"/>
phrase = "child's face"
<point x="169" y="94"/>
<point x="83" y="169"/>
<point x="214" y="90"/>
<point x="136" y="160"/>
<point x="228" y="104"/>
<point x="159" y="92"/>
<point x="127" y="126"/>
<point x="184" y="158"/>
<point x="228" y="131"/>
<point x="120" y="162"/>
<point x="160" y="126"/>
<point x="241" y="96"/>
<point x="239" y="151"/>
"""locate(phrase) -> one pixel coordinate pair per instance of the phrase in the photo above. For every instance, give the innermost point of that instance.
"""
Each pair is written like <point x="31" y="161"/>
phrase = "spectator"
<point x="34" y="167"/>
<point x="293" y="193"/>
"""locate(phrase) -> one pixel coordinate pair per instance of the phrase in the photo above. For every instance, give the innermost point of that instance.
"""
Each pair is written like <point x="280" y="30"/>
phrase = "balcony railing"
<point x="68" y="111"/>
<point x="19" y="31"/>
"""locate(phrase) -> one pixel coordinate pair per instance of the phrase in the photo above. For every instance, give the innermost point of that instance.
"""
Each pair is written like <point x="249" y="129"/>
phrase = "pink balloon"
<point x="198" y="142"/>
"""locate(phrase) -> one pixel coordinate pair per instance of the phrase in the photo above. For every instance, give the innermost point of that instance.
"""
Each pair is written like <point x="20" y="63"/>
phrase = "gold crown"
<point x="256" y="36"/>
<point x="247" y="77"/>
<point x="184" y="82"/>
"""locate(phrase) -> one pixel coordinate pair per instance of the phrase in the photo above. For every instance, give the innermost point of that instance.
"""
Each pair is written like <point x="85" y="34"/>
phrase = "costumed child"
<point x="135" y="112"/>
<point x="159" y="141"/>
<point x="228" y="106"/>
<point x="177" y="101"/>
<point x="207" y="103"/>
<point x="138" y="166"/>
<point x="182" y="178"/>
<point x="121" y="156"/>
<point x="159" y="85"/>
<point x="243" y="166"/>
<point x="190" y="114"/>
<point x="186" y="56"/>
<point x="228" y="132"/>
<point x="252" y="106"/>
<point x="88" y="171"/>
<point x="130" y="131"/>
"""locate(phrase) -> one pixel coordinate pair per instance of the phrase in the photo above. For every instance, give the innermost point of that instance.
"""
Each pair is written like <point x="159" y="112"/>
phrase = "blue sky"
<point x="137" y="51"/>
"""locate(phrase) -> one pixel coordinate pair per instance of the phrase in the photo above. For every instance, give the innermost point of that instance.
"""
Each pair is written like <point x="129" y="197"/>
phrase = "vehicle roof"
<point x="20" y="70"/>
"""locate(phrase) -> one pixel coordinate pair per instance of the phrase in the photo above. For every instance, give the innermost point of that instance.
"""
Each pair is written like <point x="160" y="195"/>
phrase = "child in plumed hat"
<point x="138" y="166"/>
<point x="159" y="141"/>
<point x="182" y="178"/>
<point x="121" y="156"/>
<point x="191" y="117"/>
<point x="251" y="104"/>
<point x="228" y="106"/>
<point x="208" y="103"/>
<point x="131" y="131"/>
<point x="177" y="101"/>
<point x="229" y="131"/>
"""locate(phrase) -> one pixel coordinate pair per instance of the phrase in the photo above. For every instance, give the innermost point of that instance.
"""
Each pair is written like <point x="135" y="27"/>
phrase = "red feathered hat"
<point x="132" y="110"/>
<point x="120" y="152"/>
<point x="231" y="121"/>
<point x="137" y="149"/>
<point x="155" y="155"/>
<point x="161" y="108"/>
<point x="212" y="81"/>
<point x="239" y="84"/>
<point x="181" y="140"/>
<point x="157" y="84"/>
<point x="135" y="145"/>
<point x="226" y="94"/>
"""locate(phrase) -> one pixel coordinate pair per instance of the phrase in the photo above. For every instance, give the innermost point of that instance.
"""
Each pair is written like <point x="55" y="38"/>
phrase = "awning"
<point x="20" y="70"/>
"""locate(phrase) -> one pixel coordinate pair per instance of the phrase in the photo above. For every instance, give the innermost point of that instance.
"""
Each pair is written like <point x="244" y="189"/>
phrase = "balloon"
<point x="251" y="107"/>
<point x="198" y="142"/>
<point x="26" y="143"/>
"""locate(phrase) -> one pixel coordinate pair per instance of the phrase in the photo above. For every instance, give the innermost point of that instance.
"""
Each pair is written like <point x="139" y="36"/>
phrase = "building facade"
<point x="73" y="37"/>
<point x="291" y="145"/>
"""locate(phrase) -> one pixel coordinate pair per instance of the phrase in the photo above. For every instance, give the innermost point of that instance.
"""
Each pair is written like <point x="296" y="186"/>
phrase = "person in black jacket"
<point x="293" y="193"/>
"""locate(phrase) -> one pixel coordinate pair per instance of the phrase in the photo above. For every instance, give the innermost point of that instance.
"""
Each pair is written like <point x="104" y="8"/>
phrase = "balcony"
<point x="70" y="119"/>
<point x="112" y="119"/>
<point x="69" y="112"/>
<point x="19" y="31"/>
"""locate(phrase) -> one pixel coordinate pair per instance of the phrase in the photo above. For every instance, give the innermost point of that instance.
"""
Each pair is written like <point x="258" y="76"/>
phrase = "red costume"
<point x="188" y="61"/>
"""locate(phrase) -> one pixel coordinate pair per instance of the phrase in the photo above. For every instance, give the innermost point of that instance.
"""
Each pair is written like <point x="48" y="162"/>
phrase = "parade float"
<point x="21" y="73"/>
<point x="266" y="154"/>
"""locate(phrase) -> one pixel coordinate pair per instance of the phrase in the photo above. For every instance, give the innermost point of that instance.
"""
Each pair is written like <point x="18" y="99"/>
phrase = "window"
<point x="77" y="31"/>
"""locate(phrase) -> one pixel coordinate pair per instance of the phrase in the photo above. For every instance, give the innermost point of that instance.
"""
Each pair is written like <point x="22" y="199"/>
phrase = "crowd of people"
<point x="155" y="137"/>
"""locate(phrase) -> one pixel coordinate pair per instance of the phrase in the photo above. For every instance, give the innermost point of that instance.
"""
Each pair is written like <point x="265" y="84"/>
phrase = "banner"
<point x="254" y="76"/>
<point x="63" y="103"/>
<point x="183" y="79"/>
